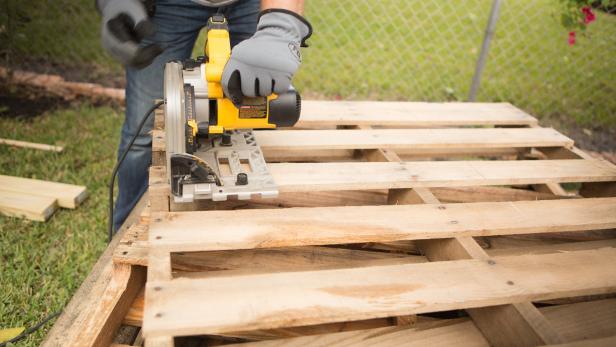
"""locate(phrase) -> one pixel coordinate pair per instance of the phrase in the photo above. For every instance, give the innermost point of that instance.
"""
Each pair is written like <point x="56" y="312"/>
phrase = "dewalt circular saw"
<point x="211" y="150"/>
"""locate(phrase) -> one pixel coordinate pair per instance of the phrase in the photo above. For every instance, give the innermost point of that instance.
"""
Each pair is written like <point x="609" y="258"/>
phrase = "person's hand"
<point x="266" y="62"/>
<point x="125" y="24"/>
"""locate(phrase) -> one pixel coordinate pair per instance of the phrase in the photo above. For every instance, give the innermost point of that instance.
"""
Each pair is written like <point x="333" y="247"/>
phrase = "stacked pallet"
<point x="396" y="224"/>
<point x="36" y="199"/>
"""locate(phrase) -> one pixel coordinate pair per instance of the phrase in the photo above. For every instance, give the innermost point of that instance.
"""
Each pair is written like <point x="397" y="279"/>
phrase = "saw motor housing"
<point x="211" y="150"/>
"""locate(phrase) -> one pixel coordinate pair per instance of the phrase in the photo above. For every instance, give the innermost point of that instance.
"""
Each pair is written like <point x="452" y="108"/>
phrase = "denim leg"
<point x="178" y="24"/>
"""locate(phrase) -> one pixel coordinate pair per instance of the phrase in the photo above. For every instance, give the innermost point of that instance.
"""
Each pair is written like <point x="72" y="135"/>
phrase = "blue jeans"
<point x="178" y="24"/>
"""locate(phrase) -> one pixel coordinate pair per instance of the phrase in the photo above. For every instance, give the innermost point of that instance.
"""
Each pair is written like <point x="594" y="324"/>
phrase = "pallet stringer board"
<point x="515" y="324"/>
<point x="97" y="309"/>
<point x="159" y="262"/>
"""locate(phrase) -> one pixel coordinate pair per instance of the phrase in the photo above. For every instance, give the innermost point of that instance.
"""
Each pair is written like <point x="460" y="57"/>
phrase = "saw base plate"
<point x="242" y="156"/>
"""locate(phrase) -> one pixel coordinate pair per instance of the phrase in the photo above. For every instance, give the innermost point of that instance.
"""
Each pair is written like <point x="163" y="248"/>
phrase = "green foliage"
<point x="425" y="50"/>
<point x="573" y="16"/>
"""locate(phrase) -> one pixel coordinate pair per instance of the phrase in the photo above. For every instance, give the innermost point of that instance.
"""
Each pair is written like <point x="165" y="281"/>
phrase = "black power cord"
<point x="31" y="329"/>
<point x="146" y="116"/>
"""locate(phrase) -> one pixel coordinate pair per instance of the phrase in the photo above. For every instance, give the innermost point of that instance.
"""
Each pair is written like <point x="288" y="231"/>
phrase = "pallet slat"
<point x="440" y="336"/>
<point x="68" y="195"/>
<point x="410" y="114"/>
<point x="306" y="177"/>
<point x="186" y="231"/>
<point x="302" y="298"/>
<point x="414" y="138"/>
<point x="588" y="320"/>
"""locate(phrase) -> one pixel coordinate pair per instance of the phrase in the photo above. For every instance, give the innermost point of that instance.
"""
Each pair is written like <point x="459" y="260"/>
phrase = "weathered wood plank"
<point x="457" y="333"/>
<point x="68" y="195"/>
<point x="306" y="177"/>
<point x="588" y="320"/>
<point x="185" y="231"/>
<point x="600" y="342"/>
<point x="520" y="324"/>
<point x="303" y="298"/>
<point x="583" y="320"/>
<point x="409" y="114"/>
<point x="76" y="315"/>
<point x="106" y="316"/>
<point x="414" y="138"/>
<point x="553" y="248"/>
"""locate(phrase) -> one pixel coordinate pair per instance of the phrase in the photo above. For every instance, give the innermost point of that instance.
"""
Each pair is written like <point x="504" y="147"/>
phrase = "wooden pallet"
<point x="369" y="238"/>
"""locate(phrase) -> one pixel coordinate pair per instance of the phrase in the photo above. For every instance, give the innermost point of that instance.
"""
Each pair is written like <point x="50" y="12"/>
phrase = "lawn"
<point x="391" y="49"/>
<point x="42" y="264"/>
<point x="420" y="50"/>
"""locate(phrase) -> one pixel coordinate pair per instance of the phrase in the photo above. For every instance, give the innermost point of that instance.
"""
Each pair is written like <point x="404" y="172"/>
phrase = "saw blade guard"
<point x="175" y="118"/>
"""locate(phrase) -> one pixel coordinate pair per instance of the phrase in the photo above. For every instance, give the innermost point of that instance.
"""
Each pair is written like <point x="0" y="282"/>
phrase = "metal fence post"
<point x="485" y="47"/>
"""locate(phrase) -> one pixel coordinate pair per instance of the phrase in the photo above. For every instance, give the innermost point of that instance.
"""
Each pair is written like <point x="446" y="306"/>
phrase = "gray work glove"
<point x="267" y="61"/>
<point x="125" y="24"/>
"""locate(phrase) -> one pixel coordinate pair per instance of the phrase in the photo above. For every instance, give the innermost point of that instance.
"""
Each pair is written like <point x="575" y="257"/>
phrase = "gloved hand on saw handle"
<point x="125" y="24"/>
<point x="266" y="62"/>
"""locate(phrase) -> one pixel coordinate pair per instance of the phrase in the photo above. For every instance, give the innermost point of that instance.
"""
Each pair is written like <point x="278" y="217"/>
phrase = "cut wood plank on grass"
<point x="68" y="195"/>
<point x="306" y="177"/>
<point x="415" y="138"/>
<point x="24" y="144"/>
<point x="314" y="297"/>
<point x="37" y="208"/>
<point x="185" y="231"/>
<point x="410" y="114"/>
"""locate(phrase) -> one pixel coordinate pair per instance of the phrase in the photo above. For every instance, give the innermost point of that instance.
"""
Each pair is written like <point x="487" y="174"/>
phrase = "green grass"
<point x="42" y="264"/>
<point x="392" y="50"/>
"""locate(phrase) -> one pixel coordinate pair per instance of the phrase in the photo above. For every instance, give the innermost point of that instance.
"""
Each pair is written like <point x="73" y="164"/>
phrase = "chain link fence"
<point x="382" y="50"/>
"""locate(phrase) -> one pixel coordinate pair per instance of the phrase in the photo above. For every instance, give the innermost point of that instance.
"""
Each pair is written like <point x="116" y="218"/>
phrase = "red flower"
<point x="571" y="38"/>
<point x="589" y="16"/>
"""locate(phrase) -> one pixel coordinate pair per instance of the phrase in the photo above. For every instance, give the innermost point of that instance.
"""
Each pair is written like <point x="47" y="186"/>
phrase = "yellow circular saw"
<point x="211" y="150"/>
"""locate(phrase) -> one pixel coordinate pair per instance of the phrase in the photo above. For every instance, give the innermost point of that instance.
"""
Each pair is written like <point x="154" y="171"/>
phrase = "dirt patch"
<point x="27" y="102"/>
<point x="93" y="73"/>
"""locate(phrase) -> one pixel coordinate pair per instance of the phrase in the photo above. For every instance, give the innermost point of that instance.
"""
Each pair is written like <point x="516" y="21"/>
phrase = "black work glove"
<point x="125" y="24"/>
<point x="266" y="62"/>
